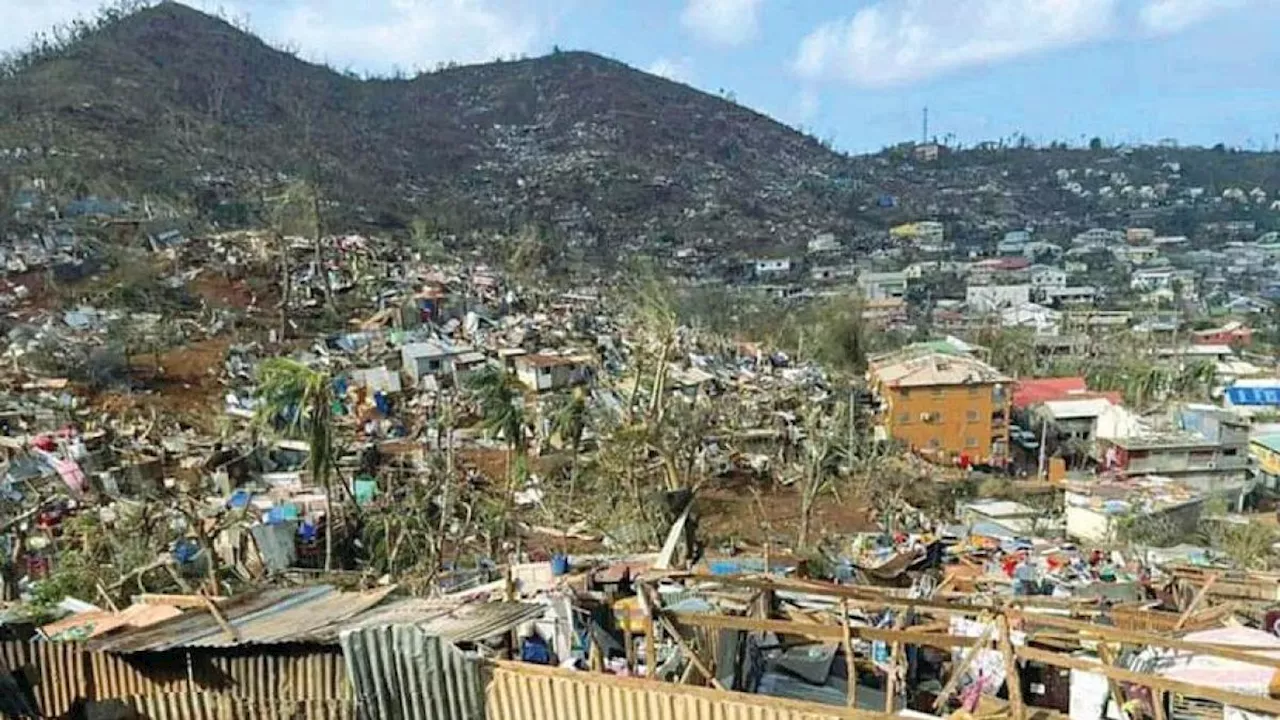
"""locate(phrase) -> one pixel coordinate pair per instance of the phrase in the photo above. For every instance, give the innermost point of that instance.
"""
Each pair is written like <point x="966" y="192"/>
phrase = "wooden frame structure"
<point x="1045" y="620"/>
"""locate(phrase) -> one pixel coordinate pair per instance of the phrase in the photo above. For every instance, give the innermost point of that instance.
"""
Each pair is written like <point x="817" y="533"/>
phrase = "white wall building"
<point x="992" y="298"/>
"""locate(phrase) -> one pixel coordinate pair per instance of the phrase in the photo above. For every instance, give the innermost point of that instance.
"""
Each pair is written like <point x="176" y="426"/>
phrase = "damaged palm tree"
<point x="502" y="415"/>
<point x="297" y="400"/>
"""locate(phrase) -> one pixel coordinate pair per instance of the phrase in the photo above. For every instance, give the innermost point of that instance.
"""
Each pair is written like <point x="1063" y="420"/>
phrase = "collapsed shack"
<point x="628" y="635"/>
<point x="886" y="651"/>
<point x="274" y="653"/>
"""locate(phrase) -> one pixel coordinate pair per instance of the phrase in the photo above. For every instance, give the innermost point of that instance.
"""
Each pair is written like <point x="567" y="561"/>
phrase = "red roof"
<point x="1038" y="390"/>
<point x="1041" y="390"/>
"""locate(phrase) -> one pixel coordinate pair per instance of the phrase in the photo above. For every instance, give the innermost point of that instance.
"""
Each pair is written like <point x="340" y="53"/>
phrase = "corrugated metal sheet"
<point x="65" y="673"/>
<point x="399" y="672"/>
<point x="316" y="615"/>
<point x="312" y="614"/>
<point x="59" y="672"/>
<point x="318" y="675"/>
<point x="215" y="706"/>
<point x="530" y="692"/>
<point x="463" y="623"/>
<point x="193" y="626"/>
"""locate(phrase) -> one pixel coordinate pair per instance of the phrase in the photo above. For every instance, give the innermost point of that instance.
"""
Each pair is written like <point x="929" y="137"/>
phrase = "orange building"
<point x="945" y="405"/>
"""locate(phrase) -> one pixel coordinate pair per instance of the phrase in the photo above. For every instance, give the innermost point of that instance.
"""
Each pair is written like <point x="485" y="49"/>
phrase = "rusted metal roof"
<point x="316" y="614"/>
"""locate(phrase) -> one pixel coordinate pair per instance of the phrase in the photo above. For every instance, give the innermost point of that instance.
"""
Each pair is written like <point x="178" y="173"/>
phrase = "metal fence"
<point x="528" y="692"/>
<point x="312" y="684"/>
<point x="63" y="674"/>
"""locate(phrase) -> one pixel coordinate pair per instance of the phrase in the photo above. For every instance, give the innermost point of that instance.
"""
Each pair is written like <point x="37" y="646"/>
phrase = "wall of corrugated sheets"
<point x="64" y="673"/>
<point x="529" y="692"/>
<point x="298" y="684"/>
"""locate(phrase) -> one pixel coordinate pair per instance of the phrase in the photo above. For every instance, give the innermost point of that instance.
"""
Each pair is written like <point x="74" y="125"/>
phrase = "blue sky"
<point x="857" y="71"/>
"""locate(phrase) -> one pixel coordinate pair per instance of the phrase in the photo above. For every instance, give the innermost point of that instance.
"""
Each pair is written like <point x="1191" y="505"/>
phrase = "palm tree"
<point x="1196" y="379"/>
<point x="502" y="415"/>
<point x="569" y="421"/>
<point x="298" y="400"/>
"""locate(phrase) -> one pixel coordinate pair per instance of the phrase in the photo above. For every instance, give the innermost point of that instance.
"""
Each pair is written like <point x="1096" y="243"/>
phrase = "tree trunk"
<point x="319" y="249"/>
<point x="286" y="286"/>
<point x="329" y="523"/>
<point x="806" y="512"/>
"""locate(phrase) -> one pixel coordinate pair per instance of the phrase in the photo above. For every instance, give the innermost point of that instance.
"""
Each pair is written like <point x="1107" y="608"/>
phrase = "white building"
<point x="772" y="266"/>
<point x="824" y="242"/>
<point x="992" y="298"/>
<point x="1163" y="279"/>
<point x="1047" y="276"/>
<point x="1071" y="295"/>
<point x="1043" y="320"/>
<point x="429" y="358"/>
<point x="1098" y="235"/>
<point x="542" y="372"/>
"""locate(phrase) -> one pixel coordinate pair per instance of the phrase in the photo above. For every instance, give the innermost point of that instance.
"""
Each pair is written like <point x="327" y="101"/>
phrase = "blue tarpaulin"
<point x="1254" y="395"/>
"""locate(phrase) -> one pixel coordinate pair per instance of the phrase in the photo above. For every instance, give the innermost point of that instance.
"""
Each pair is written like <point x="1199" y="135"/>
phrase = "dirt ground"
<point x="729" y="512"/>
<point x="186" y="385"/>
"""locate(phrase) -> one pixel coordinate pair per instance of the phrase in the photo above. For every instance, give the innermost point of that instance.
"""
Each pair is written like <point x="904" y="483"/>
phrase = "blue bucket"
<point x="559" y="565"/>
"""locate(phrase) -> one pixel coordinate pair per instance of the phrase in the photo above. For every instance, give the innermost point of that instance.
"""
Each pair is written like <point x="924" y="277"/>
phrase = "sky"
<point x="855" y="72"/>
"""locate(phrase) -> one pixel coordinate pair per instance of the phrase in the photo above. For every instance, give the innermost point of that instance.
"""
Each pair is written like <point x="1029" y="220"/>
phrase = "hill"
<point x="169" y="102"/>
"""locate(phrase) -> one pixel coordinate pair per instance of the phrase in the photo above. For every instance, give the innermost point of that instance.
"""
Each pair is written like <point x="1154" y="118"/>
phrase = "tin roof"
<point x="316" y="614"/>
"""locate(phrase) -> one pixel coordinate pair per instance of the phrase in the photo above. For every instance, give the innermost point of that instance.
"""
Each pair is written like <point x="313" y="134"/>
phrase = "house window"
<point x="544" y="371"/>
<point x="1230" y="452"/>
<point x="971" y="442"/>
<point x="973" y="389"/>
<point x="971" y="416"/>
<point x="934" y="443"/>
<point x="904" y="418"/>
<point x="937" y="392"/>
<point x="905" y="393"/>
<point x="433" y="366"/>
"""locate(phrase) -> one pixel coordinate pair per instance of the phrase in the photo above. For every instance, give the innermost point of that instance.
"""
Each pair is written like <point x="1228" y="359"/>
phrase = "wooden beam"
<point x="825" y="633"/>
<point x="184" y="602"/>
<point x="630" y="641"/>
<point x="963" y="667"/>
<point x="895" y="662"/>
<point x="650" y="632"/>
<point x="851" y="671"/>
<point x="1108" y="658"/>
<point x="693" y="656"/>
<point x="1011" y="675"/>
<point x="1134" y="637"/>
<point x="1195" y="602"/>
<point x="862" y="596"/>
<point x="231" y="633"/>
<point x="1226" y="697"/>
<point x="1157" y="704"/>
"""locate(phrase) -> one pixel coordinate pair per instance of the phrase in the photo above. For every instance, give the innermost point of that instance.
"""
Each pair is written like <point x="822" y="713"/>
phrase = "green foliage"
<point x="501" y="405"/>
<point x="1247" y="545"/>
<point x="1148" y="531"/>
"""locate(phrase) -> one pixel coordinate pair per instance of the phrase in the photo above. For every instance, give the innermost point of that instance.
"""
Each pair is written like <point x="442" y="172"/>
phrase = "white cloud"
<point x="21" y="19"/>
<point x="409" y="33"/>
<point x="722" y="22"/>
<point x="806" y="105"/>
<point x="375" y="35"/>
<point x="894" y="42"/>
<point x="1161" y="17"/>
<point x="678" y="69"/>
